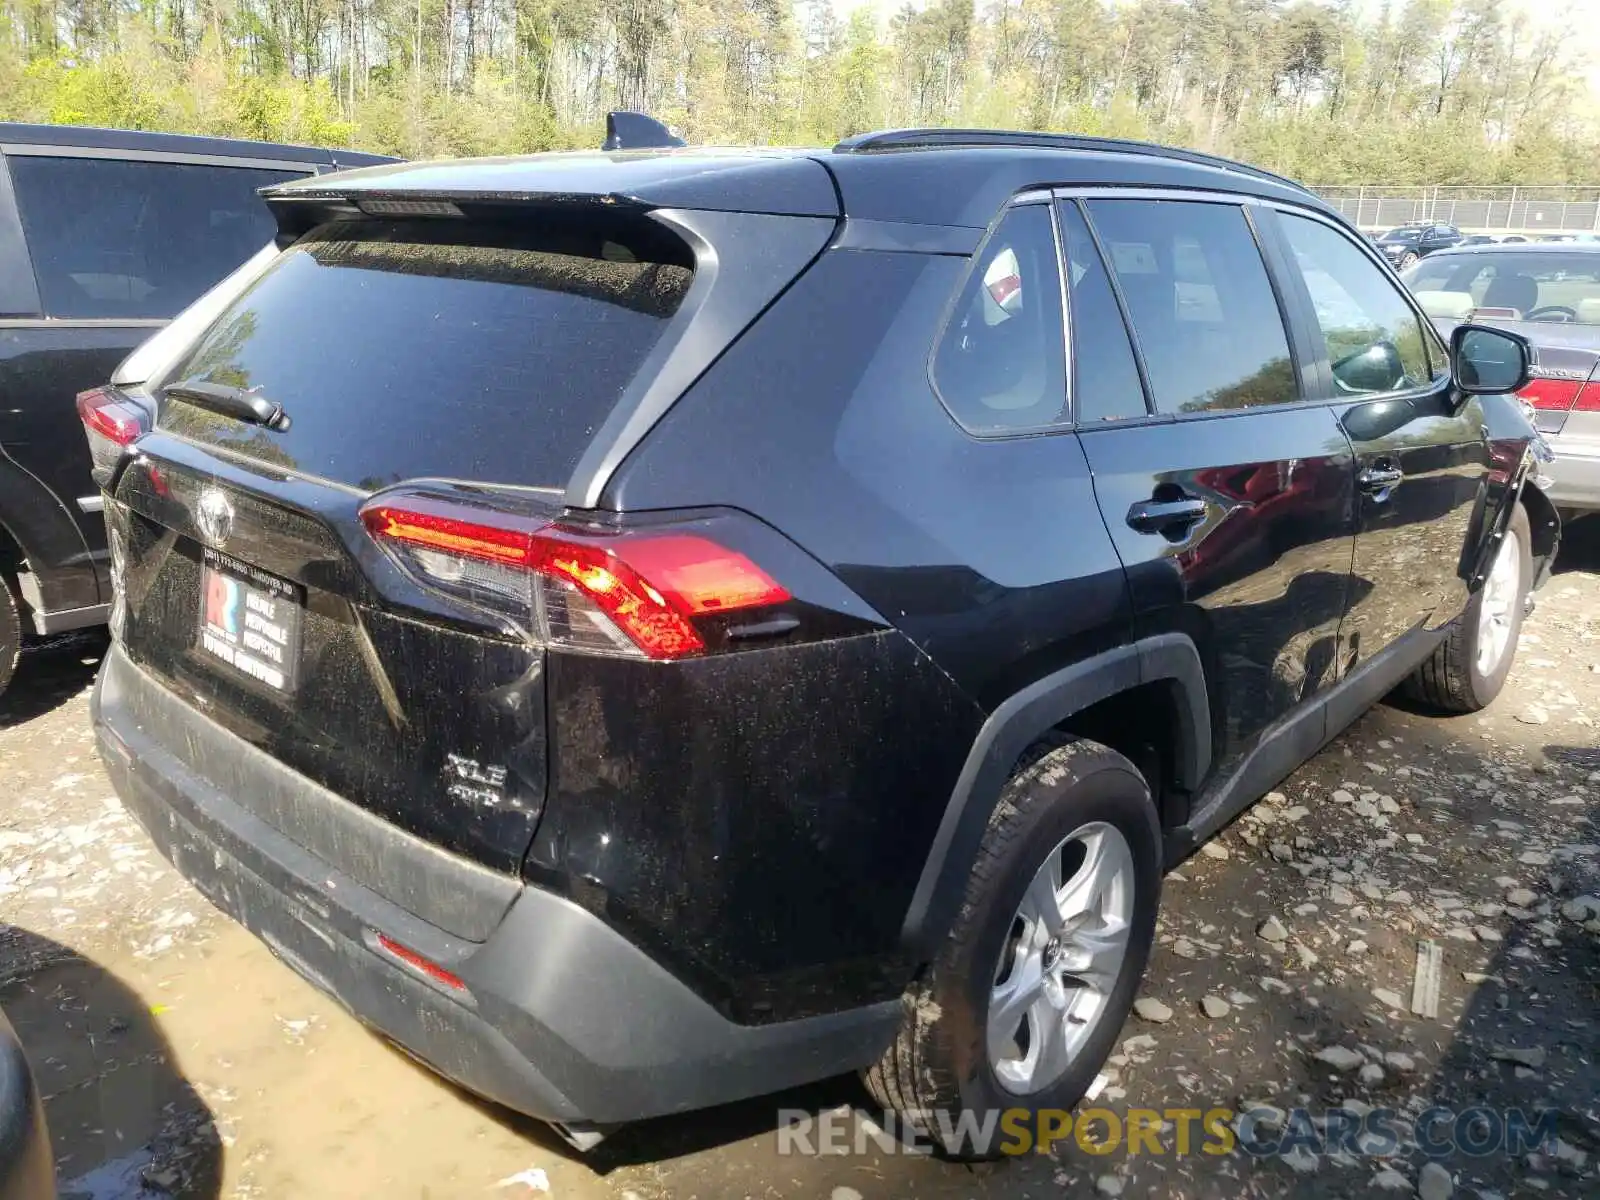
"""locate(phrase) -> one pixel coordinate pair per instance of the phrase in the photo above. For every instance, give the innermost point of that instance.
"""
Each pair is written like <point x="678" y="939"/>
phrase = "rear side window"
<point x="1105" y="380"/>
<point x="1374" y="338"/>
<point x="112" y="238"/>
<point x="1201" y="303"/>
<point x="1000" y="365"/>
<point x="474" y="350"/>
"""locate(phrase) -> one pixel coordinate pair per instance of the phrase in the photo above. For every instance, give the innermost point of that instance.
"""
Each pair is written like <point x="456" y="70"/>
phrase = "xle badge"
<point x="473" y="782"/>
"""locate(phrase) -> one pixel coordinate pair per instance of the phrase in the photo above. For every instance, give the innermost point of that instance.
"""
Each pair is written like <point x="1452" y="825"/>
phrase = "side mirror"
<point x="1378" y="418"/>
<point x="1489" y="362"/>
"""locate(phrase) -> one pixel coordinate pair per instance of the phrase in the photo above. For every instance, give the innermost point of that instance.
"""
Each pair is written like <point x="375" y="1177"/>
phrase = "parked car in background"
<point x="1405" y="244"/>
<point x="27" y="1167"/>
<point x="627" y="708"/>
<point x="1549" y="292"/>
<point x="104" y="236"/>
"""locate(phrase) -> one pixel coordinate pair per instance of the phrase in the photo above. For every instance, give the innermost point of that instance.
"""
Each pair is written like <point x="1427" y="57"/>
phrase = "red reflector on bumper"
<point x="417" y="963"/>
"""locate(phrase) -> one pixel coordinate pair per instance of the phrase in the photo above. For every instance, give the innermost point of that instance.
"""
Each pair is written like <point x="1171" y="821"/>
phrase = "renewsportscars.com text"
<point x="1260" y="1132"/>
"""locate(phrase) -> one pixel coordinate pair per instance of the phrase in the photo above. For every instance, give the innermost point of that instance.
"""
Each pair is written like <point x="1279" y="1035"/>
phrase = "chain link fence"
<point x="1526" y="210"/>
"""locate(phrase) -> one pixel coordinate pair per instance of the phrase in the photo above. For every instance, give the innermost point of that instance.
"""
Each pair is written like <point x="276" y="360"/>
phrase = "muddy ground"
<point x="178" y="1057"/>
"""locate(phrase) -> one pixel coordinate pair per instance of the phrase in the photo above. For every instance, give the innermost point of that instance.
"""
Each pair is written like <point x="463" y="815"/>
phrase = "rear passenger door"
<point x="118" y="245"/>
<point x="1421" y="462"/>
<point x="1230" y="496"/>
<point x="1440" y="237"/>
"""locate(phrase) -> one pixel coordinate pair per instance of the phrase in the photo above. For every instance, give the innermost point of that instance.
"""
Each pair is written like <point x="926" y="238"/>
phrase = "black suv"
<point x="1406" y="244"/>
<point x="646" y="629"/>
<point x="105" y="235"/>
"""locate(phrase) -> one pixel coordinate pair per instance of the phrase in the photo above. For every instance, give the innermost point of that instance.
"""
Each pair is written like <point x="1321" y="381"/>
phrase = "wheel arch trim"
<point x="1544" y="523"/>
<point x="1021" y="720"/>
<point x="61" y="571"/>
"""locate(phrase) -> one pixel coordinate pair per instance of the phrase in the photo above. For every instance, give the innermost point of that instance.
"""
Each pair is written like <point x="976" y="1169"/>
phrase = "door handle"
<point x="1374" y="480"/>
<point x="1163" y="516"/>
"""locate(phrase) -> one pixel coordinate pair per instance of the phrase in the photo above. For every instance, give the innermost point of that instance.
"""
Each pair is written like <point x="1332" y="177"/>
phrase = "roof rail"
<point x="928" y="139"/>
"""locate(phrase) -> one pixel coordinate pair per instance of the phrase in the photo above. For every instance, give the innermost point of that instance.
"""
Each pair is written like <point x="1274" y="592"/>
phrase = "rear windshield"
<point x="1538" y="285"/>
<point x="469" y="350"/>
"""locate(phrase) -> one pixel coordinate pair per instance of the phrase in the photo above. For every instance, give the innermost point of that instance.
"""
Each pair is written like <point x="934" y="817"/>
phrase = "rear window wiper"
<point x="245" y="404"/>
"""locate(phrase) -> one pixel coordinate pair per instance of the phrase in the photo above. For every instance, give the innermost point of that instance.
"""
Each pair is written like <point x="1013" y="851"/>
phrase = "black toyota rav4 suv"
<point x="646" y="629"/>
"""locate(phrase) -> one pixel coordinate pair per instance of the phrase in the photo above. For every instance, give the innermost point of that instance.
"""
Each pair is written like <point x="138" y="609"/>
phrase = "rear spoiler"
<point x="775" y="182"/>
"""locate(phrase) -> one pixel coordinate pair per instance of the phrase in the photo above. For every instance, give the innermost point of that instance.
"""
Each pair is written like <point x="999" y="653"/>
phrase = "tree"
<point x="1434" y="91"/>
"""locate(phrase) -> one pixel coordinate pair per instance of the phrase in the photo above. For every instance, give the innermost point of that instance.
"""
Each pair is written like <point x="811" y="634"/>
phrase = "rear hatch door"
<point x="480" y="351"/>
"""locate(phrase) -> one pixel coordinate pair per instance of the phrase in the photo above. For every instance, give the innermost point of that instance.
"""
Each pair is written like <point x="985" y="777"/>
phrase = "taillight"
<point x="638" y="593"/>
<point x="1551" y="394"/>
<point x="109" y="413"/>
<point x="1562" y="395"/>
<point x="112" y="423"/>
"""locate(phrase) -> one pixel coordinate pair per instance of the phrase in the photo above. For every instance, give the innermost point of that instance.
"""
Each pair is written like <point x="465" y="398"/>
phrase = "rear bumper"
<point x="1574" y="475"/>
<point x="564" y="1019"/>
<point x="27" y="1170"/>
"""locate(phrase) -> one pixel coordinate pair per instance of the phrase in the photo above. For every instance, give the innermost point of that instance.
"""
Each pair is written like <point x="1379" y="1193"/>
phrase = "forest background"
<point x="1349" y="91"/>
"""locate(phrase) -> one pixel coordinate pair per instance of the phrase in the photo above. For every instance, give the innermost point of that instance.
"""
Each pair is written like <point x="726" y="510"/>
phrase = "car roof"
<point x="928" y="177"/>
<point x="1518" y="248"/>
<point x="96" y="138"/>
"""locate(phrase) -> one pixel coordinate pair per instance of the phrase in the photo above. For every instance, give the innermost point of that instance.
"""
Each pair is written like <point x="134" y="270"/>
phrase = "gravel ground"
<point x="179" y="1058"/>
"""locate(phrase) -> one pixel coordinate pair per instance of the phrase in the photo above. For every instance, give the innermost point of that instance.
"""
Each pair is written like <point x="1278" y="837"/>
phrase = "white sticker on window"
<point x="1134" y="258"/>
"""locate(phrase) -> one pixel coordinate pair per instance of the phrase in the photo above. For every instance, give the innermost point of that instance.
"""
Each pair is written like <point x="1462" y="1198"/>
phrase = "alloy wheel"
<point x="1062" y="958"/>
<point x="1497" y="610"/>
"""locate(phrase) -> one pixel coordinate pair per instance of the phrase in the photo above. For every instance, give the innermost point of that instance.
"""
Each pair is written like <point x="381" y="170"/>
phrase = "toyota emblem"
<point x="214" y="516"/>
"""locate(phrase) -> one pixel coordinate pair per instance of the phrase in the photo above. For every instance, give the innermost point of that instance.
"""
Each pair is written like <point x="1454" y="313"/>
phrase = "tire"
<point x="1409" y="259"/>
<point x="10" y="633"/>
<point x="1455" y="678"/>
<point x="941" y="1063"/>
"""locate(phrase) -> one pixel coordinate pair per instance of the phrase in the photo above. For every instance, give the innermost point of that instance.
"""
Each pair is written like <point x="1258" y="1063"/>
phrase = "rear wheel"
<point x="1468" y="669"/>
<point x="1032" y="985"/>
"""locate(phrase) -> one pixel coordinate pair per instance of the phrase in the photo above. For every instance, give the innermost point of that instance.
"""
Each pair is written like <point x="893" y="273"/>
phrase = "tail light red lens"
<point x="695" y="575"/>
<point x="635" y="593"/>
<point x="111" y="423"/>
<point x="108" y="413"/>
<point x="1562" y="395"/>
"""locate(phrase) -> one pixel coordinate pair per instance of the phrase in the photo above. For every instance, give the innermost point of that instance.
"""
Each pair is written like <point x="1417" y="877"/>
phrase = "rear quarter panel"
<point x="988" y="560"/>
